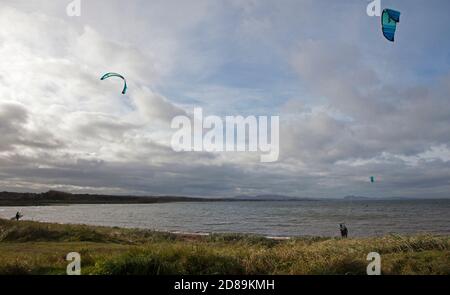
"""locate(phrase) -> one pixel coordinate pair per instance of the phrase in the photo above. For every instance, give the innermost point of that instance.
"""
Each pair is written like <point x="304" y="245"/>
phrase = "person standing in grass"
<point x="344" y="230"/>
<point x="18" y="215"/>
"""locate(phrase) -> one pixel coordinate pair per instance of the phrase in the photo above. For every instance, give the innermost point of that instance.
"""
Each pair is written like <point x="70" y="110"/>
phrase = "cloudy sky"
<point x="351" y="104"/>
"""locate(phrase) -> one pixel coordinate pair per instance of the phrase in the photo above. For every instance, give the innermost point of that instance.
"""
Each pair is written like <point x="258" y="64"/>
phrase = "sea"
<point x="363" y="218"/>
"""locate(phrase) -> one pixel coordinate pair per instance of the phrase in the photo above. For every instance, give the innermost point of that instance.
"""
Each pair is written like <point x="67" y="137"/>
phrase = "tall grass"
<point x="40" y="248"/>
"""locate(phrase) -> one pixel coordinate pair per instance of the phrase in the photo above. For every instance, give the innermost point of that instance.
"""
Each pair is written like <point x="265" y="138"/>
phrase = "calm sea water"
<point x="296" y="218"/>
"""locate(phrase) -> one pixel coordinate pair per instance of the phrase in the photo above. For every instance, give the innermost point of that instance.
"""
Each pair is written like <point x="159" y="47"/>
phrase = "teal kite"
<point x="109" y="75"/>
<point x="372" y="179"/>
<point x="389" y="20"/>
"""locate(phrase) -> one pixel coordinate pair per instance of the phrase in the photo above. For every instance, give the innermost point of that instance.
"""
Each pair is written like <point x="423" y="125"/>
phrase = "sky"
<point x="351" y="104"/>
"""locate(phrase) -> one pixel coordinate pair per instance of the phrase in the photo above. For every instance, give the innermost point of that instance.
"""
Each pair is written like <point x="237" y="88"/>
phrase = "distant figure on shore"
<point x="18" y="215"/>
<point x="344" y="230"/>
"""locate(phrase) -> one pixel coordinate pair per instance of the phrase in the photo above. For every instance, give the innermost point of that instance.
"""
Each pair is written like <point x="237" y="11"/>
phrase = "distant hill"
<point x="355" y="198"/>
<point x="56" y="197"/>
<point x="266" y="198"/>
<point x="360" y="198"/>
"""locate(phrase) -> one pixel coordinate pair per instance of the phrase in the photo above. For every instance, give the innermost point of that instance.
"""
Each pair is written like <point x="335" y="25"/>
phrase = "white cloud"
<point x="352" y="115"/>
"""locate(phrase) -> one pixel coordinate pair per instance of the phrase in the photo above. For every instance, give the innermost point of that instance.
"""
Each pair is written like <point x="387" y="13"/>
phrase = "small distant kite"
<point x="389" y="20"/>
<point x="372" y="179"/>
<point x="109" y="75"/>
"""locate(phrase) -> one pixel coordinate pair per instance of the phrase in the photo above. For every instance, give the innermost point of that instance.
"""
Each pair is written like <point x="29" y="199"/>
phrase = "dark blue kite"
<point x="389" y="20"/>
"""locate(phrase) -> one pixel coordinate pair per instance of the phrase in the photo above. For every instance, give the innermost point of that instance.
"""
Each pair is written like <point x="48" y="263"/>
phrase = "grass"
<point x="40" y="248"/>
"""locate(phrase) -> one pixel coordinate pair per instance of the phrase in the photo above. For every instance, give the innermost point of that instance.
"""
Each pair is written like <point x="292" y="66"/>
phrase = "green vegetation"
<point x="40" y="248"/>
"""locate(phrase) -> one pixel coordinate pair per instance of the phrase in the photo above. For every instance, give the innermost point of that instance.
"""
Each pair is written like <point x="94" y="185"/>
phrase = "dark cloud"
<point x="15" y="132"/>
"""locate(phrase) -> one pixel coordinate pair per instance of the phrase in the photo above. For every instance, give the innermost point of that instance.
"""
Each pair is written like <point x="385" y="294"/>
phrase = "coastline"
<point x="51" y="198"/>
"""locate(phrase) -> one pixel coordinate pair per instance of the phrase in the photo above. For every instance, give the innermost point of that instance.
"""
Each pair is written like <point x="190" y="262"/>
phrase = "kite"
<point x="372" y="179"/>
<point x="389" y="20"/>
<point x="109" y="75"/>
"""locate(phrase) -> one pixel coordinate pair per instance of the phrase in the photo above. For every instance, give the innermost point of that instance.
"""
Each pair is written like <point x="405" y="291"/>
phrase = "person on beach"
<point x="344" y="230"/>
<point x="18" y="215"/>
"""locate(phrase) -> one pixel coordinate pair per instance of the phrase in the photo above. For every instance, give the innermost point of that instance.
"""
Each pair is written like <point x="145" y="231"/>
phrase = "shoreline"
<point x="178" y="233"/>
<point x="209" y="234"/>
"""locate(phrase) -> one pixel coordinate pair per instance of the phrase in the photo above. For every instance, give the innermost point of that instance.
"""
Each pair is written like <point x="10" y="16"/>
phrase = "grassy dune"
<point x="40" y="248"/>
